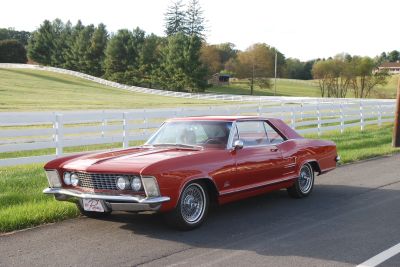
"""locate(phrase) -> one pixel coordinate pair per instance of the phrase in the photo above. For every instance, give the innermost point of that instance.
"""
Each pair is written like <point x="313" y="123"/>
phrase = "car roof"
<point x="218" y="118"/>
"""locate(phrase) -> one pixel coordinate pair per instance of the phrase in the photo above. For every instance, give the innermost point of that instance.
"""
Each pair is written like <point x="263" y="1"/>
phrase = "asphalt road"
<point x="352" y="215"/>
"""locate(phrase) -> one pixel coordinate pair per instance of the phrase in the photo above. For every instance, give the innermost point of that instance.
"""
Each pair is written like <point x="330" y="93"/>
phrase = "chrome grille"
<point x="103" y="181"/>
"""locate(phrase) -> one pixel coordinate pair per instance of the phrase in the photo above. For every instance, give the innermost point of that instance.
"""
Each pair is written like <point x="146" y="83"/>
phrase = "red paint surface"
<point x="235" y="174"/>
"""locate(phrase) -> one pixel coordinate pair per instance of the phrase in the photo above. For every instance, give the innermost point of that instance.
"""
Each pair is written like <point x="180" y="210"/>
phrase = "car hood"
<point x="127" y="160"/>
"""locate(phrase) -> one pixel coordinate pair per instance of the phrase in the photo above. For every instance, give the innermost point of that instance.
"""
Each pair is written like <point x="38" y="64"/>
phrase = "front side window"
<point x="195" y="133"/>
<point x="273" y="136"/>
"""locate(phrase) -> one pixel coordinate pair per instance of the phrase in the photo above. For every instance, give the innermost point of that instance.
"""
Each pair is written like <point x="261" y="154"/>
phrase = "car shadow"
<point x="275" y="224"/>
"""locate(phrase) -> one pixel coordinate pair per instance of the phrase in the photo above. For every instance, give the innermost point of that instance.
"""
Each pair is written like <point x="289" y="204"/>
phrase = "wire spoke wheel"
<point x="306" y="179"/>
<point x="304" y="184"/>
<point x="193" y="203"/>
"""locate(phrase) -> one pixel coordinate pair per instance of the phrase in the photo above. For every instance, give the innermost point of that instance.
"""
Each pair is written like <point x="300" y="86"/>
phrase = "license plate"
<point x="93" y="205"/>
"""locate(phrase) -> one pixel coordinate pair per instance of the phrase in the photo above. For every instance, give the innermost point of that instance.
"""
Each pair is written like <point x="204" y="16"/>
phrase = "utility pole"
<point x="396" y="128"/>
<point x="276" y="63"/>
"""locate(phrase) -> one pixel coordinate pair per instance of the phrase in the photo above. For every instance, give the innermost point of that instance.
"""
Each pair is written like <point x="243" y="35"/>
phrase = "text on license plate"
<point x="93" y="205"/>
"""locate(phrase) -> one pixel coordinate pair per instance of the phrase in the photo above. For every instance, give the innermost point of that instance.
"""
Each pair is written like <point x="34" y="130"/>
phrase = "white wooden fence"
<point x="45" y="135"/>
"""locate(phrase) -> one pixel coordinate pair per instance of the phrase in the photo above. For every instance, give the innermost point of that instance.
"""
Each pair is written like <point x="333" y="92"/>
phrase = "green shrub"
<point x="12" y="51"/>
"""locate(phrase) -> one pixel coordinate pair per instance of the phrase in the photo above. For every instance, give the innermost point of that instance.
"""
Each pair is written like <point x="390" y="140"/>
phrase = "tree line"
<point x="182" y="59"/>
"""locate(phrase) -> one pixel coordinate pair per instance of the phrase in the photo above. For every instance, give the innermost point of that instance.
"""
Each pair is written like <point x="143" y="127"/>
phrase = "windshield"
<point x="192" y="133"/>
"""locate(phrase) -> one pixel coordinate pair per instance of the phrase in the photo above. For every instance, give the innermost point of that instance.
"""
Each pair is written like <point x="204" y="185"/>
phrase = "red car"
<point x="190" y="163"/>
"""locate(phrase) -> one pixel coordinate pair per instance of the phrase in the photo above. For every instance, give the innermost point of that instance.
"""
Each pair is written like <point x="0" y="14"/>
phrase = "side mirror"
<point x="238" y="144"/>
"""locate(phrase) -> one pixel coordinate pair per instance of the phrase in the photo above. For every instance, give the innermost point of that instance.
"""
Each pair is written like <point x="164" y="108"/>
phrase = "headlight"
<point x="122" y="183"/>
<point x="74" y="179"/>
<point x="150" y="186"/>
<point x="136" y="184"/>
<point x="67" y="178"/>
<point x="53" y="178"/>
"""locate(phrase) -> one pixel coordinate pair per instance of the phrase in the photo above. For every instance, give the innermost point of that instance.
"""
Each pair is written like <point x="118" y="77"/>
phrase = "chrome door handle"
<point x="273" y="149"/>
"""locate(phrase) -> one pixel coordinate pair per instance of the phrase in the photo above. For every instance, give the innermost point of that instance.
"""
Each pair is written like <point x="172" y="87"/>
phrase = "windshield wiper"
<point x="178" y="145"/>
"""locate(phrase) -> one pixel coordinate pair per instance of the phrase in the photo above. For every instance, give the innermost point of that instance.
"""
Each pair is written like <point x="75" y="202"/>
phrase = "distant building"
<point x="392" y="67"/>
<point x="219" y="79"/>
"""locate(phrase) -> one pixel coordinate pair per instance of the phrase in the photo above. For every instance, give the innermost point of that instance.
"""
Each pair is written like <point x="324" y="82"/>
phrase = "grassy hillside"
<point x="288" y="87"/>
<point x="34" y="90"/>
<point x="26" y="90"/>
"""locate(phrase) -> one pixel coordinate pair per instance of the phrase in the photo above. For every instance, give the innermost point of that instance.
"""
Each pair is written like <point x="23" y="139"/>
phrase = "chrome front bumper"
<point x="112" y="202"/>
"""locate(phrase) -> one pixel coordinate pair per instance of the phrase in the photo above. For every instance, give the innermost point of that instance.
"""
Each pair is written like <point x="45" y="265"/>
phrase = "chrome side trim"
<point x="123" y="198"/>
<point x="256" y="186"/>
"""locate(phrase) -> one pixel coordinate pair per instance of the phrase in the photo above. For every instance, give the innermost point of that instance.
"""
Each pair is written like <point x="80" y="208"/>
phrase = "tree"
<point x="195" y="22"/>
<point x="12" y="51"/>
<point x="365" y="78"/>
<point x="175" y="18"/>
<point x="122" y="56"/>
<point x="41" y="44"/>
<point x="150" y="59"/>
<point x="210" y="56"/>
<point x="227" y="51"/>
<point x="393" y="56"/>
<point x="294" y="69"/>
<point x="82" y="50"/>
<point x="320" y="71"/>
<point x="256" y="63"/>
<point x="181" y="68"/>
<point x="98" y="44"/>
<point x="59" y="37"/>
<point x="71" y="54"/>
<point x="334" y="76"/>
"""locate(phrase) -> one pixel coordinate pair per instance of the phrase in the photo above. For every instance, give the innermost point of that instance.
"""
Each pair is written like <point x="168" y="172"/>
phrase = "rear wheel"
<point x="191" y="210"/>
<point x="304" y="183"/>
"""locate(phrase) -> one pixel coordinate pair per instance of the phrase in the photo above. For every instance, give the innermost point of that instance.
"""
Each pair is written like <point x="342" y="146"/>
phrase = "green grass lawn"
<point x="288" y="87"/>
<point x="23" y="205"/>
<point x="36" y="90"/>
<point x="284" y="87"/>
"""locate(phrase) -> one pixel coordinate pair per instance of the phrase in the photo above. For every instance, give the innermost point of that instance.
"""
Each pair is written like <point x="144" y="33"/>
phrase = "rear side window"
<point x="252" y="133"/>
<point x="273" y="136"/>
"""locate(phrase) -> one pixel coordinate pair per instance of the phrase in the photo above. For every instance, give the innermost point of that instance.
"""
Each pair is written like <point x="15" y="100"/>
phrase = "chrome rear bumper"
<point x="112" y="202"/>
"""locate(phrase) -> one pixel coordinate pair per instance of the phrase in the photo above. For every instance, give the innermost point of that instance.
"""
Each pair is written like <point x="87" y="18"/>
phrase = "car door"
<point x="259" y="162"/>
<point x="287" y="149"/>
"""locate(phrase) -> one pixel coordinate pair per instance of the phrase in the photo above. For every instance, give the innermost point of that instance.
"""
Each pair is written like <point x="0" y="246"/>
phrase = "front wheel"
<point x="304" y="183"/>
<point x="191" y="210"/>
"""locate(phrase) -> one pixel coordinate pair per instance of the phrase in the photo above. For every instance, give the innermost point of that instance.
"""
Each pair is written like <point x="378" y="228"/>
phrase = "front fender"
<point x="174" y="191"/>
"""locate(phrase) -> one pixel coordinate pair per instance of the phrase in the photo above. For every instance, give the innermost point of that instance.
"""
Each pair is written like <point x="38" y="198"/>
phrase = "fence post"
<point x="361" y="116"/>
<point x="103" y="124"/>
<point x="379" y="115"/>
<point x="341" y="118"/>
<point x="58" y="125"/>
<point x="301" y="110"/>
<point x="145" y="123"/>
<point x="293" y="118"/>
<point x="319" y="119"/>
<point x="125" y="139"/>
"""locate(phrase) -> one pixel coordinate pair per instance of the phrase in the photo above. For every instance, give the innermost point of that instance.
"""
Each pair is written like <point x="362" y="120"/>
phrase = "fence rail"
<point x="41" y="131"/>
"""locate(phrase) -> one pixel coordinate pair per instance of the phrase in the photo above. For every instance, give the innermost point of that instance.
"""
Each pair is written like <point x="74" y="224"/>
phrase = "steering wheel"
<point x="212" y="141"/>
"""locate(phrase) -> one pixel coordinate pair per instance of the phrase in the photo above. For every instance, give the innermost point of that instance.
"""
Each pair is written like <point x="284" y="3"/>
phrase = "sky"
<point x="303" y="29"/>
